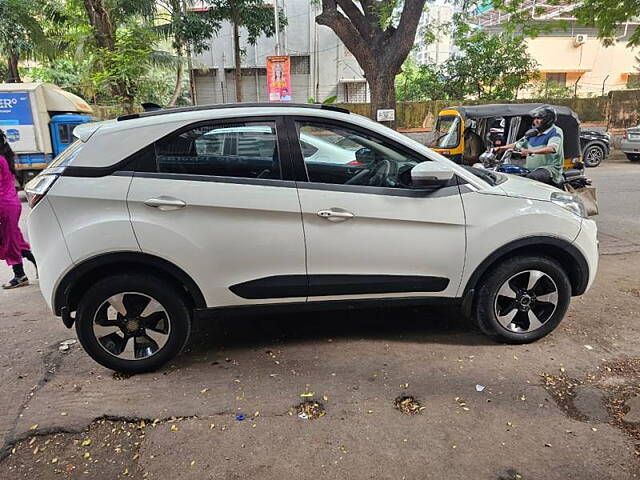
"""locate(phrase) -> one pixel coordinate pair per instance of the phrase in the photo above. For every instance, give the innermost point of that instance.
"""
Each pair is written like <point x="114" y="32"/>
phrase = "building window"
<point x="300" y="65"/>
<point x="633" y="81"/>
<point x="556" y="79"/>
<point x="355" y="92"/>
<point x="248" y="72"/>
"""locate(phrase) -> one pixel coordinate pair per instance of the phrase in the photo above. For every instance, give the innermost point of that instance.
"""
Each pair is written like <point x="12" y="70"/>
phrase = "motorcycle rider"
<point x="542" y="146"/>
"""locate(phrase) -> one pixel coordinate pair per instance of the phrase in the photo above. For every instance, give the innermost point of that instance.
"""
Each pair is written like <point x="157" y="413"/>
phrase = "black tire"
<point x="486" y="301"/>
<point x="174" y="317"/>
<point x="633" y="157"/>
<point x="593" y="155"/>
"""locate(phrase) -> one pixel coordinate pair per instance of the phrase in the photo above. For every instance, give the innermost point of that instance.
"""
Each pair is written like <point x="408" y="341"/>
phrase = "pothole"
<point x="618" y="383"/>
<point x="563" y="391"/>
<point x="408" y="405"/>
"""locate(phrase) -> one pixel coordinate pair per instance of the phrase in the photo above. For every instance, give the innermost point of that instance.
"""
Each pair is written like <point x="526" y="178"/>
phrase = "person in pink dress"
<point x="13" y="246"/>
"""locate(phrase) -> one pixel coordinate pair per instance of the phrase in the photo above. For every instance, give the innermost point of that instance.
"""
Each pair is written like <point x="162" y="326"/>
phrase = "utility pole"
<point x="277" y="23"/>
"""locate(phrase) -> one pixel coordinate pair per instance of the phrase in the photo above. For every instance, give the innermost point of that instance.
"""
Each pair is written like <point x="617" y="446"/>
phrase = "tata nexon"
<point x="39" y="119"/>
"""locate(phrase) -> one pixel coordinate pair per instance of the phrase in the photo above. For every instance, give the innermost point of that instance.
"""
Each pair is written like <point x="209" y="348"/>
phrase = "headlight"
<point x="570" y="202"/>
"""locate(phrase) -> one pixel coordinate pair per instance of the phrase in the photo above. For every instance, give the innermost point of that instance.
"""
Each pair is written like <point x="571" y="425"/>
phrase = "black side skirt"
<point x="288" y="286"/>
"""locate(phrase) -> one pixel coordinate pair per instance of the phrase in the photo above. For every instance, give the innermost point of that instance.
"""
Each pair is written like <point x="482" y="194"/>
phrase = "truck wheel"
<point x="132" y="323"/>
<point x="593" y="155"/>
<point x="522" y="299"/>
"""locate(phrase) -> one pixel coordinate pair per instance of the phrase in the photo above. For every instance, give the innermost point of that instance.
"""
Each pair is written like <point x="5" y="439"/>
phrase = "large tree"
<point x="380" y="34"/>
<point x="105" y="18"/>
<point x="189" y="32"/>
<point x="22" y="34"/>
<point x="608" y="15"/>
<point x="255" y="16"/>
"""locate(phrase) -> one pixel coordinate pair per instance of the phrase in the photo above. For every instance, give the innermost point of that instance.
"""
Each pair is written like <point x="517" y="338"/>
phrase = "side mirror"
<point x="430" y="174"/>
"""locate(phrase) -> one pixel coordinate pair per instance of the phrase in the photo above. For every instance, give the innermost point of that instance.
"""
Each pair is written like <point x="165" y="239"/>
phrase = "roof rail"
<point x="197" y="108"/>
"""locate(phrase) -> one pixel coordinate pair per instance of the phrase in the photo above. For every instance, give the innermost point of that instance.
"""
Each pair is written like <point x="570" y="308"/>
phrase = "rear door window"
<point x="244" y="150"/>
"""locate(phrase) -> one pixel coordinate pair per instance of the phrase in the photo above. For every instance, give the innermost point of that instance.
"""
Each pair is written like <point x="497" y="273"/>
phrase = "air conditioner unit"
<point x="580" y="39"/>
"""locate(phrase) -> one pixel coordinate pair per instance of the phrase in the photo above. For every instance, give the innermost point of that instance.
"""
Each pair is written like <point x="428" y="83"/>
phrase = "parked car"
<point x="631" y="143"/>
<point x="595" y="147"/>
<point x="137" y="239"/>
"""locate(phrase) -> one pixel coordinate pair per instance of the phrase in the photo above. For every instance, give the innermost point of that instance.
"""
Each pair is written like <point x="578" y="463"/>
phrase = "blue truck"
<point x="39" y="119"/>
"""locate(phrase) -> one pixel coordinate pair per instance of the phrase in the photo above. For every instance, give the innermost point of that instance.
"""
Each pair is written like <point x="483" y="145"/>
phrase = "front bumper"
<point x="587" y="243"/>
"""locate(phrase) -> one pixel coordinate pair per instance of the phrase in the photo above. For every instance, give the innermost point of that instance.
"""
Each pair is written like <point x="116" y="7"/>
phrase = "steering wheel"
<point x="374" y="177"/>
<point x="379" y="173"/>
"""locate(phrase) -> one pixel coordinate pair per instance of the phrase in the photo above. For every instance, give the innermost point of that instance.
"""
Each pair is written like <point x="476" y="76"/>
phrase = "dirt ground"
<point x="565" y="407"/>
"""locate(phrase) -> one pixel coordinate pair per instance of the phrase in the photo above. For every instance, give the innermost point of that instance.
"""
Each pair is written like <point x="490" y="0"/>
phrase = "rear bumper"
<point x="49" y="247"/>
<point x="628" y="146"/>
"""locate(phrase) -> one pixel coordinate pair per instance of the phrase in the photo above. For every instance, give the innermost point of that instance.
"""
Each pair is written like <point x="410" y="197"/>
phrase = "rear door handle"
<point x="335" y="215"/>
<point x="165" y="203"/>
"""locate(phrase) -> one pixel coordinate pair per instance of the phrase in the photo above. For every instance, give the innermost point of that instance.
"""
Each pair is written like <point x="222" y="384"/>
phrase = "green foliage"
<point x="487" y="66"/>
<point x="69" y="74"/>
<point x="326" y="101"/>
<point x="127" y="64"/>
<point x="419" y="83"/>
<point x="254" y="15"/>
<point x="607" y="15"/>
<point x="23" y="32"/>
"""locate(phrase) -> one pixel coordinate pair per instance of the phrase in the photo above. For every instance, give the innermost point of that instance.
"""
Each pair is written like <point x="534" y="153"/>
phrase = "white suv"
<point x="153" y="220"/>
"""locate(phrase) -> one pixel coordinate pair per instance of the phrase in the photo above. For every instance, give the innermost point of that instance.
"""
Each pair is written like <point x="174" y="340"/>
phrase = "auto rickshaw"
<point x="462" y="133"/>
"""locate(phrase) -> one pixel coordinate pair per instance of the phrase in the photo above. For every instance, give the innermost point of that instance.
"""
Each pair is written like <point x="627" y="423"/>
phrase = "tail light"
<point x="355" y="163"/>
<point x="38" y="187"/>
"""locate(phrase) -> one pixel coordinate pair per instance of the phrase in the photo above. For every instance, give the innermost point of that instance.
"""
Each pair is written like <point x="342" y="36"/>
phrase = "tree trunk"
<point x="383" y="90"/>
<point x="178" y="87"/>
<point x="238" y="59"/>
<point x="13" y="75"/>
<point x="100" y="21"/>
<point x="179" y="79"/>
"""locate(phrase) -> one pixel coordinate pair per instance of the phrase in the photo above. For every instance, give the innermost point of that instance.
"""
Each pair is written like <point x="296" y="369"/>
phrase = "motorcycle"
<point x="512" y="162"/>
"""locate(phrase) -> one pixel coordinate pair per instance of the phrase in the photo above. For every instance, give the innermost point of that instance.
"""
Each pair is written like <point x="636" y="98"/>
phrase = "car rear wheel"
<point x="132" y="323"/>
<point x="633" y="157"/>
<point x="593" y="155"/>
<point x="522" y="299"/>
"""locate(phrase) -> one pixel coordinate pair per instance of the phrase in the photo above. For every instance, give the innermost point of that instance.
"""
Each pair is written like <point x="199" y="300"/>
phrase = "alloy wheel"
<point x="526" y="301"/>
<point x="131" y="326"/>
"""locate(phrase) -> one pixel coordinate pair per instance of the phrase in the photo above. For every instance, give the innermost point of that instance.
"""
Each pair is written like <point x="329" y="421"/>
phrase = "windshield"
<point x="446" y="133"/>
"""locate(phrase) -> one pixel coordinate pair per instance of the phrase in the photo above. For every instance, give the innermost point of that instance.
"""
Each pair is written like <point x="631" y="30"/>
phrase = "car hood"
<point x="522" y="187"/>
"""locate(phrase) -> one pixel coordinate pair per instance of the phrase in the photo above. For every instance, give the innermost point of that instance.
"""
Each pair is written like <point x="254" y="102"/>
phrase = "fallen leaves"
<point x="408" y="405"/>
<point x="309" y="410"/>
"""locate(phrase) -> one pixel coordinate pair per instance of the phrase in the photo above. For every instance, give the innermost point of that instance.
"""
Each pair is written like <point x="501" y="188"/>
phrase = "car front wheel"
<point x="593" y="155"/>
<point x="522" y="299"/>
<point x="132" y="323"/>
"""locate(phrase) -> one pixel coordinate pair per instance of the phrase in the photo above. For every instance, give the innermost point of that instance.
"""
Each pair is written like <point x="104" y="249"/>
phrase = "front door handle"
<point x="165" y="203"/>
<point x="334" y="215"/>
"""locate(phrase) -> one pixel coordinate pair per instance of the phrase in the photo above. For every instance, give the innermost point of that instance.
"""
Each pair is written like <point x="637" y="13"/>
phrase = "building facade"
<point x="574" y="57"/>
<point x="438" y="18"/>
<point x="321" y="66"/>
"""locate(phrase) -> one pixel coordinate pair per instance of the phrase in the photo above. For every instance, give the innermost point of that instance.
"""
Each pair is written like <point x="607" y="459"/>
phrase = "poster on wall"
<point x="279" y="78"/>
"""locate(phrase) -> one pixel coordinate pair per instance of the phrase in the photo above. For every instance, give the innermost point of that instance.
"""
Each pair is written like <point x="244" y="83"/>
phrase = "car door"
<point x="217" y="200"/>
<point x="368" y="234"/>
